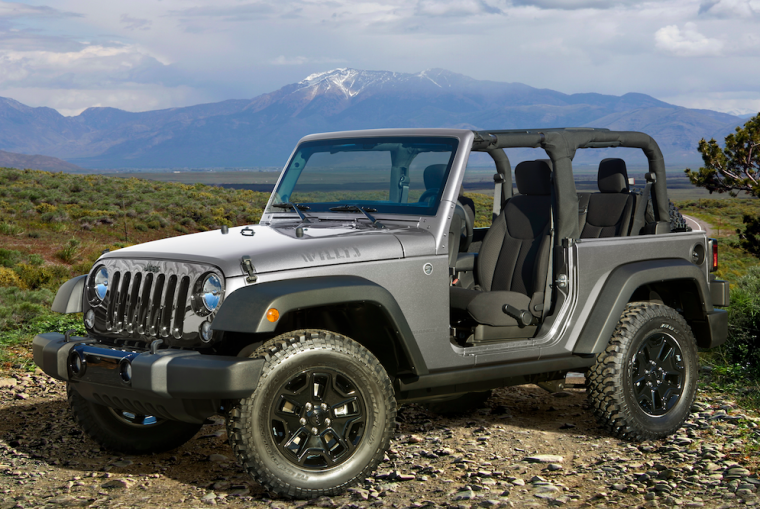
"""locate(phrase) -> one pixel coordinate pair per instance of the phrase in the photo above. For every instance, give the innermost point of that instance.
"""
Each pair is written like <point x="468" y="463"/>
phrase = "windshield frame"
<point x="309" y="147"/>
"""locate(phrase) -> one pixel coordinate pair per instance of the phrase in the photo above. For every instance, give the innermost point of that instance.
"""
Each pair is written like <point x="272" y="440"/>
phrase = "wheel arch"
<point x="674" y="282"/>
<point x="348" y="305"/>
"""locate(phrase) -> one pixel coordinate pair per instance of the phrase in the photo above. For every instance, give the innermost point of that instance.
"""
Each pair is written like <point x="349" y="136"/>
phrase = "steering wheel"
<point x="428" y="194"/>
<point x="467" y="228"/>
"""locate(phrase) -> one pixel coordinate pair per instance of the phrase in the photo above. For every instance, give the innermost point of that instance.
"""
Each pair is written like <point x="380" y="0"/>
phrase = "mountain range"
<point x="262" y="131"/>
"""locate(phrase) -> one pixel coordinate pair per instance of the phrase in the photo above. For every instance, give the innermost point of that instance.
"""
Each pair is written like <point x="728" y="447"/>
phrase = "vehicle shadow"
<point x="44" y="430"/>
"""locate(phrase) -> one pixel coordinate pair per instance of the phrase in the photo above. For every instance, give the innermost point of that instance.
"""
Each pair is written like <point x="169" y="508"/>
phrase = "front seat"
<point x="609" y="212"/>
<point x="513" y="261"/>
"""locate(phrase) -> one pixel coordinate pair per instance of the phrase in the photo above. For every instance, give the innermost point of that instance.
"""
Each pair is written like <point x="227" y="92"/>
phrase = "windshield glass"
<point x="400" y="175"/>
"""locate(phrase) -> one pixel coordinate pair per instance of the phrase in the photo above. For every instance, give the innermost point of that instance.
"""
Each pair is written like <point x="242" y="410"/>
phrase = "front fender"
<point x="625" y="280"/>
<point x="68" y="299"/>
<point x="244" y="310"/>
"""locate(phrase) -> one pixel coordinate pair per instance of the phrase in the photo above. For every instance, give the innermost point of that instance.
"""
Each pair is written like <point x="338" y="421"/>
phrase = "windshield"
<point x="400" y="175"/>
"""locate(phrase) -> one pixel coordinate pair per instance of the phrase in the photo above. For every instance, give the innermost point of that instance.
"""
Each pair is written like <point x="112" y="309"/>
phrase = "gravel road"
<point x="524" y="448"/>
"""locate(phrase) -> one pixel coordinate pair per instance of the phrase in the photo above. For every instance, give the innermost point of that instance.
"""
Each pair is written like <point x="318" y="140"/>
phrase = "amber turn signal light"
<point x="273" y="315"/>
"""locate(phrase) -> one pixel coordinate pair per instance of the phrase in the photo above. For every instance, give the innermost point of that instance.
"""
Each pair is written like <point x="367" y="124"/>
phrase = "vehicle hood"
<point x="275" y="248"/>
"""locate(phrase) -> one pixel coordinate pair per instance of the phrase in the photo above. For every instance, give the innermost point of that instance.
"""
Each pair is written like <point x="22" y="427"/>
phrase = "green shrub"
<point x="36" y="260"/>
<point x="140" y="227"/>
<point x="9" y="257"/>
<point x="743" y="345"/>
<point x="10" y="229"/>
<point x="181" y="229"/>
<point x="69" y="252"/>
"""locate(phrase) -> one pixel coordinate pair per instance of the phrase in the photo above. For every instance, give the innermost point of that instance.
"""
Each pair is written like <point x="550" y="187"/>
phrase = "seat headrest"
<point x="613" y="176"/>
<point x="433" y="175"/>
<point x="534" y="177"/>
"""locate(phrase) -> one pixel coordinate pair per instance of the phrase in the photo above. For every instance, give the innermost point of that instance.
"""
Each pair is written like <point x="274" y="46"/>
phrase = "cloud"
<point x="436" y="8"/>
<point x="243" y="12"/>
<point x="90" y="67"/>
<point x="687" y="42"/>
<point x="730" y="8"/>
<point x="20" y="10"/>
<point x="135" y="23"/>
<point x="300" y="60"/>
<point x="571" y="5"/>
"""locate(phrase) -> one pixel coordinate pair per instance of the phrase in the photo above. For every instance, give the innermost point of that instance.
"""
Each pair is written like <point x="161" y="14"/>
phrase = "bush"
<point x="69" y="252"/>
<point x="10" y="229"/>
<point x="9" y="279"/>
<point x="46" y="276"/>
<point x="743" y="345"/>
<point x="36" y="260"/>
<point x="9" y="257"/>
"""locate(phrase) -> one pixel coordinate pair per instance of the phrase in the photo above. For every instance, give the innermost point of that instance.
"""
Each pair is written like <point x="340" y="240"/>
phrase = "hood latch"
<point x="249" y="269"/>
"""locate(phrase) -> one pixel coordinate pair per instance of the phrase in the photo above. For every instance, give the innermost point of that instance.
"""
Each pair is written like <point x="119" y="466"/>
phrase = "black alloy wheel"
<point x="643" y="384"/>
<point x="318" y="419"/>
<point x="657" y="374"/>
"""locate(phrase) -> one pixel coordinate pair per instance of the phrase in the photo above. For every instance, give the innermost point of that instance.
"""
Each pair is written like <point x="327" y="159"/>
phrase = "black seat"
<point x="609" y="212"/>
<point x="513" y="261"/>
<point x="432" y="176"/>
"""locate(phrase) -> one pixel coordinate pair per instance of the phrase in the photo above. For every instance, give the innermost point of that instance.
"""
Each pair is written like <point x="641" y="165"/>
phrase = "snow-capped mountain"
<point x="262" y="131"/>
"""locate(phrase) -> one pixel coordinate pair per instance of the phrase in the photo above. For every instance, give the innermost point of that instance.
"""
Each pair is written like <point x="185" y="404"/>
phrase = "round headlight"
<point x="100" y="282"/>
<point x="211" y="292"/>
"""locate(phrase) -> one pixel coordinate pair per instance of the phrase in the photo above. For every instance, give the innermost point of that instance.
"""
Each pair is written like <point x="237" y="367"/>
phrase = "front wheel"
<point x="643" y="385"/>
<point x="320" y="419"/>
<point x="126" y="432"/>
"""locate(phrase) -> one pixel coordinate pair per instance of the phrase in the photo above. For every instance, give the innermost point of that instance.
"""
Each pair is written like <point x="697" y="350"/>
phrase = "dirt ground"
<point x="524" y="448"/>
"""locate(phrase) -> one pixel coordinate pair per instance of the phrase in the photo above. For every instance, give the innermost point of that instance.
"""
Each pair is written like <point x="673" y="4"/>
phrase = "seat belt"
<point x="403" y="183"/>
<point x="498" y="194"/>
<point x="583" y="201"/>
<point x="641" y="204"/>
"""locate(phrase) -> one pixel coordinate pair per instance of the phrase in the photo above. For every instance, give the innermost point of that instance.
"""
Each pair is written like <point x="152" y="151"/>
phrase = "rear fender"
<point x="676" y="274"/>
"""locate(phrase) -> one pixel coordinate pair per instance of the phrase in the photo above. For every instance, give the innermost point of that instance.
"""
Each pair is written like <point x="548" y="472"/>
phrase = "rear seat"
<point x="609" y="212"/>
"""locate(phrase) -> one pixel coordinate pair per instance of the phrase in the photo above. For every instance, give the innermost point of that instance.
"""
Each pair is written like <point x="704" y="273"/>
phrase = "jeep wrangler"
<point x="366" y="285"/>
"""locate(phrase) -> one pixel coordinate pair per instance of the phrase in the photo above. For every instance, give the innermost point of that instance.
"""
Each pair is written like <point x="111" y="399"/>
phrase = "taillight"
<point x="714" y="250"/>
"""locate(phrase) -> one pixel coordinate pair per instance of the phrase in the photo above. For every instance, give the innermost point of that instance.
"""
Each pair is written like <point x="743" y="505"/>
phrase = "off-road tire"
<point x="610" y="384"/>
<point x="464" y="403"/>
<point x="105" y="426"/>
<point x="311" y="352"/>
<point x="677" y="222"/>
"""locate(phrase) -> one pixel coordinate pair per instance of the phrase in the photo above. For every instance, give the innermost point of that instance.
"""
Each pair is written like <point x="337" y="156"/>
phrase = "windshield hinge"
<point x="249" y="269"/>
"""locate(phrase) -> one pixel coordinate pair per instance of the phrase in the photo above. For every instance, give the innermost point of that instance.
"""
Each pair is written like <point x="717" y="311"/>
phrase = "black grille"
<point x="150" y="304"/>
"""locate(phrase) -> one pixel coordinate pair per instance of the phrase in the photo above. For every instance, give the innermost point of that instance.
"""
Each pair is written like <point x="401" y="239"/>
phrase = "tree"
<point x="736" y="167"/>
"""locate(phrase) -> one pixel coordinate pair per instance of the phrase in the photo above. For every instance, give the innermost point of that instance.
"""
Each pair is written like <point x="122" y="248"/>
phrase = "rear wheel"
<point x="126" y="432"/>
<point x="643" y="385"/>
<point x="320" y="419"/>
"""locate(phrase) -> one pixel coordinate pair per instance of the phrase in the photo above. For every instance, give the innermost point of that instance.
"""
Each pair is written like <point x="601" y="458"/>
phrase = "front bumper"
<point x="174" y="384"/>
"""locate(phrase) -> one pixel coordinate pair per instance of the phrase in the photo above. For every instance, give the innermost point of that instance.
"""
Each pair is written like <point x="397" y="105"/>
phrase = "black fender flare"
<point x="245" y="310"/>
<point x="626" y="279"/>
<point x="69" y="297"/>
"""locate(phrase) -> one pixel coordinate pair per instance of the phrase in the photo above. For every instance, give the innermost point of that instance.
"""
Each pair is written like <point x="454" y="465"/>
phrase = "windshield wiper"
<point x="364" y="210"/>
<point x="295" y="206"/>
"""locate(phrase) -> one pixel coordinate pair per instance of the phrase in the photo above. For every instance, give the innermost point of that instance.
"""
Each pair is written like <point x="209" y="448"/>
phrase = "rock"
<point x="567" y="425"/>
<point x="618" y="487"/>
<point x="65" y="501"/>
<point x="536" y="479"/>
<point x="518" y="482"/>
<point x="545" y="458"/>
<point x="546" y="488"/>
<point x="325" y="502"/>
<point x="22" y="395"/>
<point x="415" y="439"/>
<point x="7" y="382"/>
<point x="122" y="463"/>
<point x="217" y="457"/>
<point x="553" y="467"/>
<point x="405" y="477"/>
<point x="359" y="493"/>
<point x="464" y="495"/>
<point x="208" y="496"/>
<point x="116" y="484"/>
<point x="489" y="503"/>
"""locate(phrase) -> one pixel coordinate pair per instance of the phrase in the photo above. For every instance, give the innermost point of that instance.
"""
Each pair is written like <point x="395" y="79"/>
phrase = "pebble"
<point x="116" y="483"/>
<point x="545" y="458"/>
<point x="218" y="457"/>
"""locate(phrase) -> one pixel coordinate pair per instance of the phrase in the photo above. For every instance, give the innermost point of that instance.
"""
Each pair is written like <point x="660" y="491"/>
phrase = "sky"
<point x="142" y="55"/>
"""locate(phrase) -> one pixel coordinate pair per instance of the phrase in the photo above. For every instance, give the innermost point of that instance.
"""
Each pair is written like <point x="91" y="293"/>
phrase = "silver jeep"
<point x="366" y="284"/>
